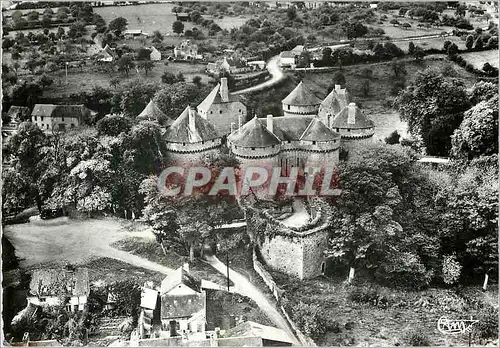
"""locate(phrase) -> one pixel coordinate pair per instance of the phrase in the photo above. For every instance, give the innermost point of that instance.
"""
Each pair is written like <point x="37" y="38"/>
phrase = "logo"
<point x="175" y="181"/>
<point x="454" y="326"/>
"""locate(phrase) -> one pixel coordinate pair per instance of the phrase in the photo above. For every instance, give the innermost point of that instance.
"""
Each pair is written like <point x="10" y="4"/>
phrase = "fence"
<point x="277" y="293"/>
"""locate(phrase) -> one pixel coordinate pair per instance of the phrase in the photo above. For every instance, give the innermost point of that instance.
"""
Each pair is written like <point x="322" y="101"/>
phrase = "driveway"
<point x="276" y="76"/>
<point x="244" y="287"/>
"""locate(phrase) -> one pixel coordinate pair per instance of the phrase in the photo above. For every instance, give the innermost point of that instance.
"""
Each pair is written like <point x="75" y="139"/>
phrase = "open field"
<point x="86" y="80"/>
<point x="477" y="59"/>
<point x="151" y="17"/>
<point x="428" y="43"/>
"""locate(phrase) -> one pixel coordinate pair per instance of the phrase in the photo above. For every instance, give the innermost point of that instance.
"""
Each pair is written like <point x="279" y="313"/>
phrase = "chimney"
<point x="224" y="91"/>
<point x="239" y="123"/>
<point x="270" y="123"/>
<point x="191" y="117"/>
<point x="351" y="113"/>
<point x="338" y="88"/>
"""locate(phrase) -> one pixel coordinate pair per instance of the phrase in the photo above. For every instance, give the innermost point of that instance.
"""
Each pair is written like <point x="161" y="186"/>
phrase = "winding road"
<point x="276" y="76"/>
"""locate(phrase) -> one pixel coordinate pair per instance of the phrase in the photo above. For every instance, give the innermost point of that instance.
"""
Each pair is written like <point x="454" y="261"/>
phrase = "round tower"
<point x="301" y="102"/>
<point x="354" y="126"/>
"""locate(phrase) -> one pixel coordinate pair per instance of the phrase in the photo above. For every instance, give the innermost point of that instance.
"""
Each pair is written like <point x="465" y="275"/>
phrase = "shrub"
<point x="487" y="327"/>
<point x="451" y="269"/>
<point x="310" y="319"/>
<point x="416" y="338"/>
<point x="393" y="138"/>
<point x="370" y="294"/>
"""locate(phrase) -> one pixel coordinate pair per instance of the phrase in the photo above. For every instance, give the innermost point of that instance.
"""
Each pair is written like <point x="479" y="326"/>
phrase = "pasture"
<point x="477" y="59"/>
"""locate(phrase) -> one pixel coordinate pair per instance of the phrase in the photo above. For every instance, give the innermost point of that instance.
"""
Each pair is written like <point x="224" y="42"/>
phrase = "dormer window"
<point x="314" y="143"/>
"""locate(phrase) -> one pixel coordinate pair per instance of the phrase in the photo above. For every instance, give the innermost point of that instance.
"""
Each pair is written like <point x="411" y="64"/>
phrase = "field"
<point x="428" y="43"/>
<point x="86" y="80"/>
<point x="151" y="17"/>
<point x="477" y="59"/>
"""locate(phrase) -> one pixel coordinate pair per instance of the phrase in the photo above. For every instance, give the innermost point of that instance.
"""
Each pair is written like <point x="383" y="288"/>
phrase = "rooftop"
<point x="254" y="134"/>
<point x="153" y="113"/>
<point x="334" y="102"/>
<point x="352" y="117"/>
<point x="190" y="127"/>
<point x="51" y="110"/>
<point x="301" y="96"/>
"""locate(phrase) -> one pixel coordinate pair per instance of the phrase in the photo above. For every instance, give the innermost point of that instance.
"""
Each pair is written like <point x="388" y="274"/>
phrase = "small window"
<point x="337" y="129"/>
<point x="220" y="111"/>
<point x="211" y="112"/>
<point x="288" y="107"/>
<point x="253" y="148"/>
<point x="41" y="118"/>
<point x="72" y="125"/>
<point x="314" y="143"/>
<point x="35" y="118"/>
<point x="239" y="110"/>
<point x="47" y="126"/>
<point x="348" y="130"/>
<point x="43" y="299"/>
<point x="62" y="118"/>
<point x="183" y="144"/>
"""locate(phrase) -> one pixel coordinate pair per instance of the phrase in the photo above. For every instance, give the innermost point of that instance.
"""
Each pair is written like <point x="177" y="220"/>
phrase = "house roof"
<point x="181" y="306"/>
<point x="51" y="110"/>
<point x="132" y="31"/>
<point x="149" y="298"/>
<point x="301" y="96"/>
<point x="108" y="51"/>
<point x="287" y="54"/>
<point x="334" y="102"/>
<point x="298" y="49"/>
<point x="16" y="112"/>
<point x="153" y="113"/>
<point x="214" y="97"/>
<point x="178" y="277"/>
<point x="56" y="282"/>
<point x="154" y="50"/>
<point x="181" y="132"/>
<point x="252" y="329"/>
<point x="317" y="131"/>
<point x="352" y="117"/>
<point x="254" y="134"/>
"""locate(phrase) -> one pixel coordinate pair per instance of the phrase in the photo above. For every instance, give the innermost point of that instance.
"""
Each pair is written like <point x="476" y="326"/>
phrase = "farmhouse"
<point x="222" y="109"/>
<point x="134" y="34"/>
<point x="107" y="54"/>
<point x="52" y="287"/>
<point x="287" y="59"/>
<point x="186" y="50"/>
<point x="155" y="55"/>
<point x="183" y="303"/>
<point x="50" y="117"/>
<point x="182" y="16"/>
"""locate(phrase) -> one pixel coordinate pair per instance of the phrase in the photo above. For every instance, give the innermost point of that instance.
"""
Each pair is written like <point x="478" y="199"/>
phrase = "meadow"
<point x="477" y="59"/>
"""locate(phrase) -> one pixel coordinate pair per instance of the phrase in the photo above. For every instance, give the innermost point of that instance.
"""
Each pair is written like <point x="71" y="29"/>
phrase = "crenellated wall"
<point x="294" y="110"/>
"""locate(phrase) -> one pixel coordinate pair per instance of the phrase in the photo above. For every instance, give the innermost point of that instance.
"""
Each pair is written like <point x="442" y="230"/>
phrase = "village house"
<point x="229" y="65"/>
<point x="135" y="34"/>
<point x="222" y="109"/>
<point x="155" y="55"/>
<point x="49" y="117"/>
<point x="287" y="59"/>
<point x="191" y="137"/>
<point x="182" y="16"/>
<point x="257" y="65"/>
<point x="107" y="54"/>
<point x="183" y="304"/>
<point x="55" y="287"/>
<point x="186" y="50"/>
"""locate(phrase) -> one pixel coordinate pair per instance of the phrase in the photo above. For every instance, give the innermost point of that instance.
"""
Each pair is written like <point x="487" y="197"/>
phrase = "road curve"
<point x="276" y="76"/>
<point x="244" y="287"/>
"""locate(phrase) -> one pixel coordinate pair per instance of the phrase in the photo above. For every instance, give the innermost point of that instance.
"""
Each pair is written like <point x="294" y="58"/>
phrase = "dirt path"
<point x="276" y="76"/>
<point x="244" y="287"/>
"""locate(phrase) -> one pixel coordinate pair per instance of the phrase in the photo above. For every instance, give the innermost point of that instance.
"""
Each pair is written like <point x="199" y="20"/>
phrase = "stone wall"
<point x="306" y="110"/>
<point x="312" y="253"/>
<point x="284" y="254"/>
<point x="223" y="114"/>
<point x="190" y="158"/>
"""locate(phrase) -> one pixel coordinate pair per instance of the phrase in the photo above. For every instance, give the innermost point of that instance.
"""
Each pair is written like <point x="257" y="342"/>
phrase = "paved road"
<point x="276" y="76"/>
<point x="244" y="287"/>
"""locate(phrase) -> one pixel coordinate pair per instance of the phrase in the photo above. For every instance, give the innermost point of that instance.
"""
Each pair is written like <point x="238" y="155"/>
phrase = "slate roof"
<point x="17" y="112"/>
<point x="252" y="329"/>
<point x="181" y="306"/>
<point x="301" y="96"/>
<point x="56" y="282"/>
<point x="341" y="120"/>
<point x="178" y="277"/>
<point x="51" y="110"/>
<point x="334" y="102"/>
<point x="214" y="97"/>
<point x="153" y="113"/>
<point x="317" y="131"/>
<point x="180" y="132"/>
<point x="254" y="134"/>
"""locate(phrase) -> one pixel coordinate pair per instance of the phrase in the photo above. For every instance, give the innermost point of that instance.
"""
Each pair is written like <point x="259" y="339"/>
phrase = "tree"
<point x="32" y="16"/>
<point x="157" y="37"/>
<point x="479" y="43"/>
<point x="411" y="48"/>
<point x="77" y="30"/>
<point x="398" y="68"/>
<point x="146" y="66"/>
<point x="365" y="88"/>
<point x="118" y="25"/>
<point x="339" y="79"/>
<point x="446" y="45"/>
<point x="393" y="138"/>
<point x="452" y="49"/>
<point x="478" y="132"/>
<point x="406" y="25"/>
<point x="132" y="98"/>
<point x="143" y="54"/>
<point x="45" y="81"/>
<point x="197" y="80"/>
<point x="469" y="42"/>
<point x="433" y="106"/>
<point x="394" y="22"/>
<point x="125" y="63"/>
<point x="291" y="13"/>
<point x="178" y="27"/>
<point x="419" y="53"/>
<point x="355" y="30"/>
<point x="113" y="125"/>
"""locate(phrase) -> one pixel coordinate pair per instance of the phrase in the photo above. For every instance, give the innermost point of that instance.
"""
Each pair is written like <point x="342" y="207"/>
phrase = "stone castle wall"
<point x="293" y="110"/>
<point x="223" y="114"/>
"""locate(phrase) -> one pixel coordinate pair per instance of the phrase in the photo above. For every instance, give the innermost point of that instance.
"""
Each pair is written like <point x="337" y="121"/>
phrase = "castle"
<point x="310" y="133"/>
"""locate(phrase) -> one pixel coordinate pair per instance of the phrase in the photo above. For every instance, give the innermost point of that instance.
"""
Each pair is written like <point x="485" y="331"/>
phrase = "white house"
<point x="287" y="59"/>
<point x="186" y="50"/>
<point x="53" y="287"/>
<point x="155" y="54"/>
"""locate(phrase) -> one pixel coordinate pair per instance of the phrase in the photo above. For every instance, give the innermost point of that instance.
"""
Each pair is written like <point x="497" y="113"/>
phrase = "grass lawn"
<point x="477" y="59"/>
<point x="88" y="78"/>
<point x="381" y="316"/>
<point x="435" y="43"/>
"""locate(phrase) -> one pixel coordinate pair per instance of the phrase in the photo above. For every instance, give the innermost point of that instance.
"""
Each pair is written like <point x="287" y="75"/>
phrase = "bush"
<point x="310" y="319"/>
<point x="370" y="294"/>
<point x="416" y="338"/>
<point x="487" y="327"/>
<point x="393" y="138"/>
<point x="451" y="269"/>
